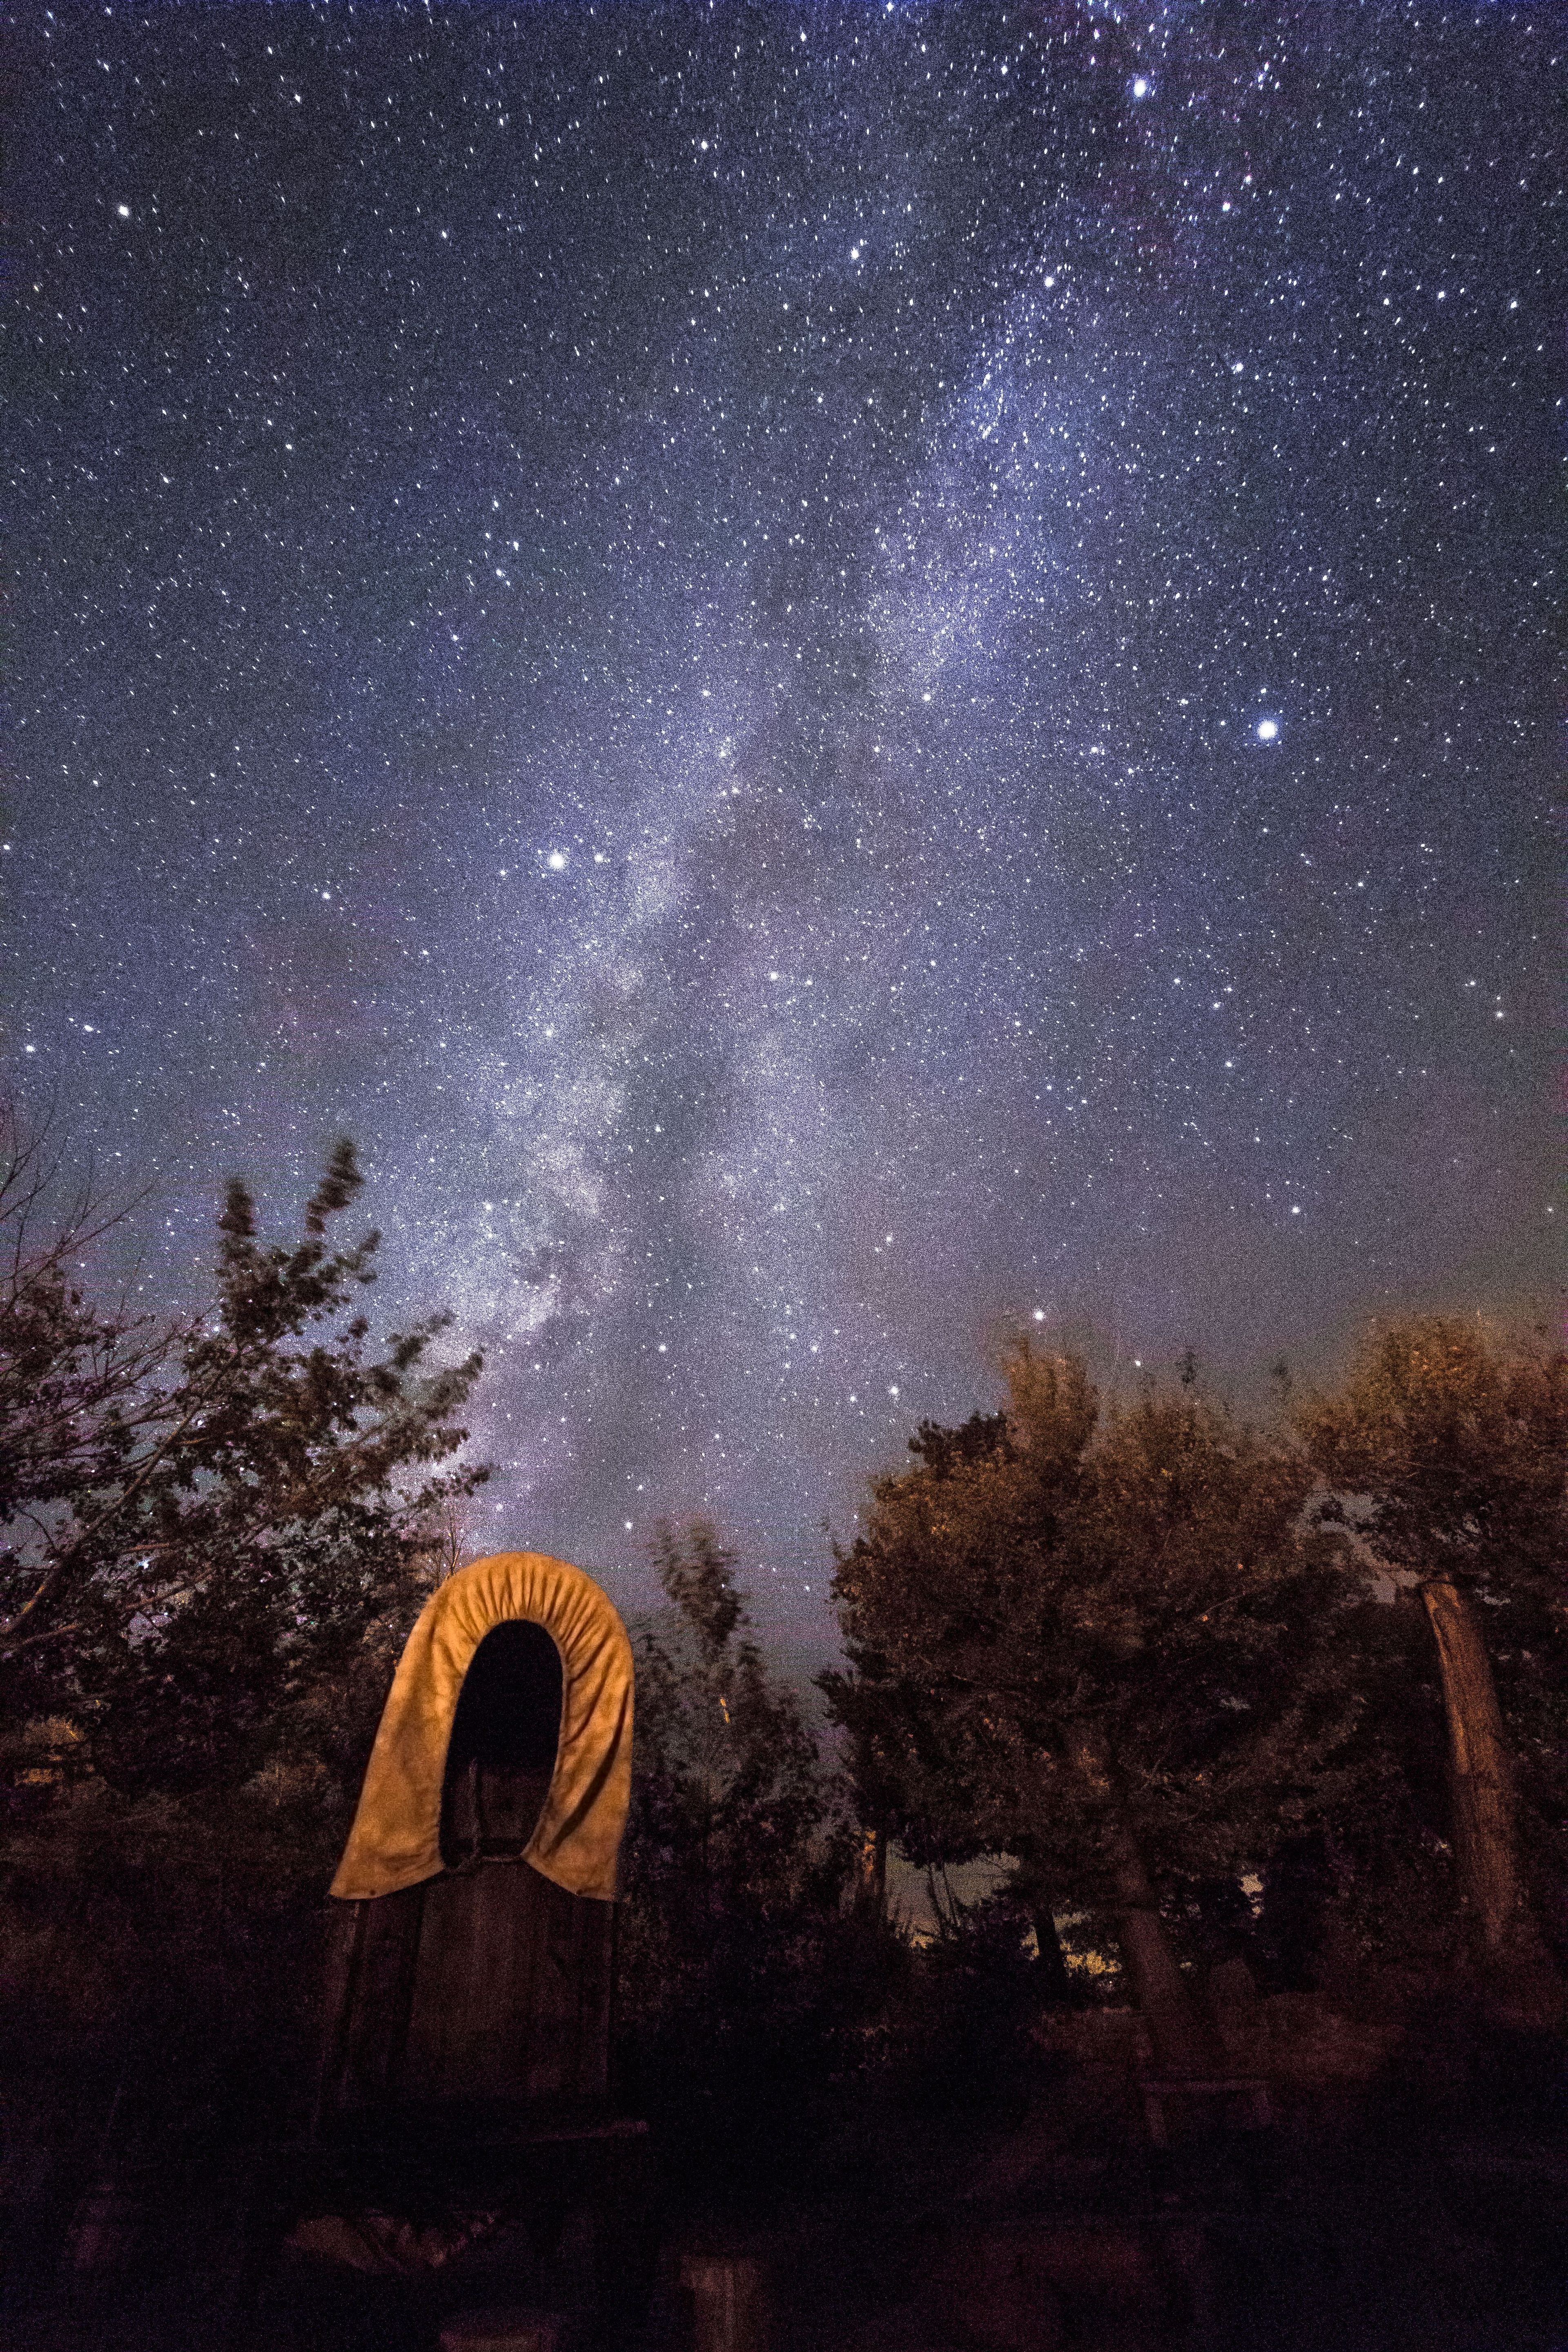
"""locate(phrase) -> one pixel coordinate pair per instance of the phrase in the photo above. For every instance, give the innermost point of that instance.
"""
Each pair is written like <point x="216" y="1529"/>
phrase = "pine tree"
<point x="216" y="1536"/>
<point x="744" y="1981"/>
<point x="234" y="1508"/>
<point x="79" y="1396"/>
<point x="730" y="1799"/>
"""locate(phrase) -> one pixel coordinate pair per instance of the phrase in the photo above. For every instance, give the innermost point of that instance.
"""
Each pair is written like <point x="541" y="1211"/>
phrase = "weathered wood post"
<point x="730" y="2302"/>
<point x="1518" y="1982"/>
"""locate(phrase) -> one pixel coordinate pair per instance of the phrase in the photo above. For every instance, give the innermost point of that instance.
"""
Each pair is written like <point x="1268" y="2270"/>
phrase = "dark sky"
<point x="843" y="678"/>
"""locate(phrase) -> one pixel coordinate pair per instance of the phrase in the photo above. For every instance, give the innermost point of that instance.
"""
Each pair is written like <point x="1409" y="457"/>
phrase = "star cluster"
<point x="845" y="678"/>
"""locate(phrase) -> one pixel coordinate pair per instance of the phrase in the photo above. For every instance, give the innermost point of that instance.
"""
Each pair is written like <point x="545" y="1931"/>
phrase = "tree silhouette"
<point x="1103" y="1642"/>
<point x="227" y="1506"/>
<point x="1449" y="1451"/>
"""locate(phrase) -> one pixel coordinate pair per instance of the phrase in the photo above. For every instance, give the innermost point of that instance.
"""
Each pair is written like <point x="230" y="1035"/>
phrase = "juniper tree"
<point x="1447" y="1449"/>
<point x="1102" y="1639"/>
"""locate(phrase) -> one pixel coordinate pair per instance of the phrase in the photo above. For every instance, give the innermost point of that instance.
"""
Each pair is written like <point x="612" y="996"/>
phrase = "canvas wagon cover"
<point x="395" y="1840"/>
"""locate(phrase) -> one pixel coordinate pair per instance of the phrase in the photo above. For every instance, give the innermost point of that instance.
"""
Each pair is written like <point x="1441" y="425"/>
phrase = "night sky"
<point x="845" y="678"/>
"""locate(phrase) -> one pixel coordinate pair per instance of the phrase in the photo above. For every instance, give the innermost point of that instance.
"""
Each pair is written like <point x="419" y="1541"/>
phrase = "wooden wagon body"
<point x="473" y="1965"/>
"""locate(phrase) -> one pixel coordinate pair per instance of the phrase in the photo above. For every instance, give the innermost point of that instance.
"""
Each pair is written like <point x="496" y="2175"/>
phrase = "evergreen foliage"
<point x="215" y="1538"/>
<point x="1138" y="1649"/>
<point x="747" y="1973"/>
<point x="730" y="1794"/>
<point x="198" y="1534"/>
<point x="1447" y="1446"/>
<point x="1138" y="1579"/>
<point x="78" y="1388"/>
<point x="1446" y="1452"/>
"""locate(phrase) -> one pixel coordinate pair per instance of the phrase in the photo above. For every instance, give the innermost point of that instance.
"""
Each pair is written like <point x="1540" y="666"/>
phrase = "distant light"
<point x="1039" y="1314"/>
<point x="123" y="210"/>
<point x="1140" y="86"/>
<point x="556" y="861"/>
<point x="1266" y="730"/>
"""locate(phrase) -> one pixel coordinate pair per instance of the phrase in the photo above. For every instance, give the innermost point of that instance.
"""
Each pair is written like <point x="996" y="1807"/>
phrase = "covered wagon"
<point x="474" y="1959"/>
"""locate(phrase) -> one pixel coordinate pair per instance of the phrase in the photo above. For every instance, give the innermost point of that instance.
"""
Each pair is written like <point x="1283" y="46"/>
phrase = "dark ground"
<point x="1416" y="2221"/>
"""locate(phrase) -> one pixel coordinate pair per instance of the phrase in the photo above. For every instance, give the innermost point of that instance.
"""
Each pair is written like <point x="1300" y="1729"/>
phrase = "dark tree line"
<point x="1150" y="1650"/>
<point x="1155" y="1656"/>
<point x="198" y="1522"/>
<point x="214" y="1536"/>
<point x="746" y="1963"/>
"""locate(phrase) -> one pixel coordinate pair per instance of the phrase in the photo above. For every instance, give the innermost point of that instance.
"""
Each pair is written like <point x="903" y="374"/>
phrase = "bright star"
<point x="1140" y="86"/>
<point x="556" y="861"/>
<point x="1266" y="730"/>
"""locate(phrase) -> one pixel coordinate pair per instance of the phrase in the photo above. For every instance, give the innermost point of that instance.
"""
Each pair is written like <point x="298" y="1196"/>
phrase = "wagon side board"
<point x="487" y="1984"/>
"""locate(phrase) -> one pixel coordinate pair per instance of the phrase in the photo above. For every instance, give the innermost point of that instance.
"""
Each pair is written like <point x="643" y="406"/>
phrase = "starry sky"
<point x="846" y="678"/>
